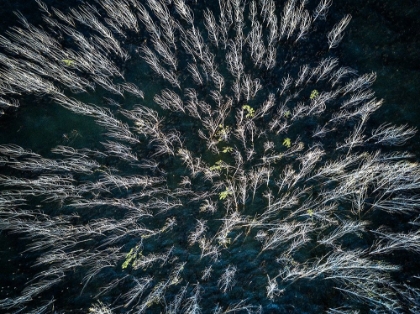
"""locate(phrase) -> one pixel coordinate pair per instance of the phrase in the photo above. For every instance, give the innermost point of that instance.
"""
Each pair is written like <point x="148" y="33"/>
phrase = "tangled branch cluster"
<point x="236" y="170"/>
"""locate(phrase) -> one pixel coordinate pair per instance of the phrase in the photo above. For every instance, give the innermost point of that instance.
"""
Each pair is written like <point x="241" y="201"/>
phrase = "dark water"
<point x="382" y="37"/>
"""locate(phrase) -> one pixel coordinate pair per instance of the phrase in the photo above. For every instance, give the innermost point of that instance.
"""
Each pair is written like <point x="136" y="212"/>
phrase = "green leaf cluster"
<point x="130" y="257"/>
<point x="224" y="194"/>
<point x="222" y="132"/>
<point x="217" y="166"/>
<point x="249" y="111"/>
<point x="227" y="149"/>
<point x="287" y="142"/>
<point x="68" y="62"/>
<point x="314" y="94"/>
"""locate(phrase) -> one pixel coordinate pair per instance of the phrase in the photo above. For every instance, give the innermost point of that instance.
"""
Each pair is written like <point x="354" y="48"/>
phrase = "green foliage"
<point x="68" y="62"/>
<point x="130" y="257"/>
<point x="227" y="149"/>
<point x="287" y="142"/>
<point x="217" y="166"/>
<point x="224" y="194"/>
<point x="223" y="132"/>
<point x="287" y="114"/>
<point x="314" y="94"/>
<point x="249" y="111"/>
